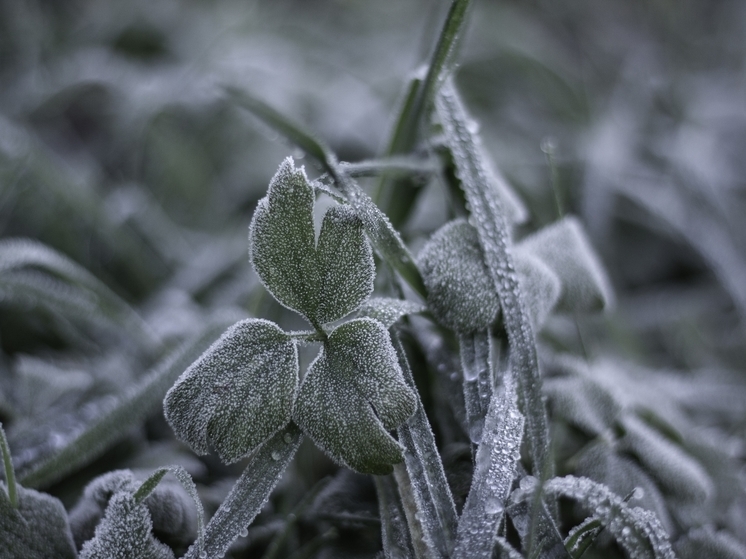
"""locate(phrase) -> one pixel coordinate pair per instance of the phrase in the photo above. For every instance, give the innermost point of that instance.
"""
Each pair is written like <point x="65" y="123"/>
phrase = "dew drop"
<point x="288" y="438"/>
<point x="638" y="493"/>
<point x="244" y="532"/>
<point x="493" y="505"/>
<point x="203" y="555"/>
<point x="275" y="455"/>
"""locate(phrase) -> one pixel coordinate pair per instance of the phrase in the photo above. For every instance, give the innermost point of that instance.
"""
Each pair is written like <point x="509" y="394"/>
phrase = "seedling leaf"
<point x="353" y="393"/>
<point x="238" y="393"/>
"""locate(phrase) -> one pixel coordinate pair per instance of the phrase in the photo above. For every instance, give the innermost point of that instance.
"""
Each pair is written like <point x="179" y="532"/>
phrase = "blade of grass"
<point x="263" y="470"/>
<point x="10" y="477"/>
<point x="432" y="496"/>
<point x="131" y="410"/>
<point x="479" y="379"/>
<point x="490" y="221"/>
<point x="394" y="531"/>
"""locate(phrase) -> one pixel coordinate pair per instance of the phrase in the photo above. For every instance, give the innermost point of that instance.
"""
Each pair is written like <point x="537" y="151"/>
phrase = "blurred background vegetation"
<point x="119" y="149"/>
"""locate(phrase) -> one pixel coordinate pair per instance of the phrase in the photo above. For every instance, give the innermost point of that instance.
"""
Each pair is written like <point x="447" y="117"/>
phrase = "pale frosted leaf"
<point x="536" y="528"/>
<point x="432" y="495"/>
<point x="637" y="531"/>
<point x="461" y="294"/>
<point x="490" y="220"/>
<point x="352" y="394"/>
<point x="125" y="532"/>
<point x="582" y="402"/>
<point x="394" y="530"/>
<point x="479" y="379"/>
<point x="677" y="472"/>
<point x="387" y="310"/>
<point x="540" y="286"/>
<point x="238" y="393"/>
<point x="497" y="456"/>
<point x="131" y="409"/>
<point x="706" y="542"/>
<point x="566" y="249"/>
<point x="507" y="551"/>
<point x="282" y="240"/>
<point x="249" y="494"/>
<point x="582" y="536"/>
<point x="345" y="265"/>
<point x="36" y="529"/>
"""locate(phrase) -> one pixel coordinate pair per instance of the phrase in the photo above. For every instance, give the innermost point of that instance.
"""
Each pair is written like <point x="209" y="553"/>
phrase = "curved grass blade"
<point x="131" y="409"/>
<point x="432" y="496"/>
<point x="582" y="536"/>
<point x="24" y="254"/>
<point x="490" y="220"/>
<point x="10" y="476"/>
<point x="251" y="491"/>
<point x="495" y="468"/>
<point x="384" y="237"/>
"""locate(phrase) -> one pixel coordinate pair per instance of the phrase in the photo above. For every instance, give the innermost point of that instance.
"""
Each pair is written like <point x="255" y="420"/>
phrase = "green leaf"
<point x="461" y="294"/>
<point x="125" y="532"/>
<point x="387" y="310"/>
<point x="323" y="282"/>
<point x="37" y="528"/>
<point x="565" y="248"/>
<point x="238" y="393"/>
<point x="540" y="286"/>
<point x="353" y="393"/>
<point x="136" y="405"/>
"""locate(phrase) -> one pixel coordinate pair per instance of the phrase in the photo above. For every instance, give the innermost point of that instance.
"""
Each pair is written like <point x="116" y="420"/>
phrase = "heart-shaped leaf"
<point x="238" y="393"/>
<point x="461" y="294"/>
<point x="353" y="393"/>
<point x="322" y="282"/>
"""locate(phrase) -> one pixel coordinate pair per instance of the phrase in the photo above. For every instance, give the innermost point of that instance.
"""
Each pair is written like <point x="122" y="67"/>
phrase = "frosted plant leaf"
<point x="125" y="532"/>
<point x="479" y="379"/>
<point x="353" y="393"/>
<point x="581" y="537"/>
<point x="565" y="248"/>
<point x="507" y="551"/>
<point x="395" y="536"/>
<point x="600" y="462"/>
<point x="536" y="528"/>
<point x="37" y="529"/>
<point x="676" y="471"/>
<point x="497" y="456"/>
<point x="540" y="286"/>
<point x="705" y="542"/>
<point x="325" y="282"/>
<point x="238" y="393"/>
<point x="345" y="265"/>
<point x="387" y="310"/>
<point x="461" y="294"/>
<point x="582" y="402"/>
<point x="637" y="531"/>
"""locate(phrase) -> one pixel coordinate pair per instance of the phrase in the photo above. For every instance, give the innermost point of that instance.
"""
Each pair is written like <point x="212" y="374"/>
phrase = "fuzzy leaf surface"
<point x="388" y="310"/>
<point x="238" y="393"/>
<point x="323" y="281"/>
<point x="461" y="294"/>
<point x="353" y="393"/>
<point x="37" y="529"/>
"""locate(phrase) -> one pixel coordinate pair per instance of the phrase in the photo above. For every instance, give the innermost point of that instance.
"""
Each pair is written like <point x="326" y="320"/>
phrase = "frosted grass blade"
<point x="479" y="379"/>
<point x="490" y="220"/>
<point x="391" y="166"/>
<point x="539" y="535"/>
<point x="495" y="468"/>
<point x="10" y="476"/>
<point x="384" y="237"/>
<point x="394" y="529"/>
<point x="251" y="491"/>
<point x="131" y="409"/>
<point x="437" y="512"/>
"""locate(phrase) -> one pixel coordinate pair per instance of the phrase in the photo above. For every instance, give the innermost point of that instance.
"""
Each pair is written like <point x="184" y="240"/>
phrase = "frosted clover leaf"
<point x="353" y="393"/>
<point x="238" y="393"/>
<point x="323" y="281"/>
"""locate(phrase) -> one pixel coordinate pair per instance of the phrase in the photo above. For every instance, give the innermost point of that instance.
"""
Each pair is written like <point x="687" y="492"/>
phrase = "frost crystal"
<point x="323" y="281"/>
<point x="353" y="393"/>
<point x="238" y="393"/>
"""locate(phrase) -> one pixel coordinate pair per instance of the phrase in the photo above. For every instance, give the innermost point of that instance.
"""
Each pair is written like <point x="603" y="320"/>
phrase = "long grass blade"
<point x="394" y="531"/>
<point x="479" y="379"/>
<point x="491" y="224"/>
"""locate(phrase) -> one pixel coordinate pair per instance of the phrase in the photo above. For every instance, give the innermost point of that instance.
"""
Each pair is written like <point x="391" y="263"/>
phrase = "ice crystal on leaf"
<point x="238" y="393"/>
<point x="324" y="282"/>
<point x="352" y="394"/>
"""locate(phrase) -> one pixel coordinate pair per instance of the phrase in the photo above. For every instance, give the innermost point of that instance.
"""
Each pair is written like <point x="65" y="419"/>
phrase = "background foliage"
<point x="120" y="150"/>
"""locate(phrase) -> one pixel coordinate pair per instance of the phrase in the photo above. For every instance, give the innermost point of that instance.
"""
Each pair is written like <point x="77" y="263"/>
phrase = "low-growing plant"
<point x="441" y="383"/>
